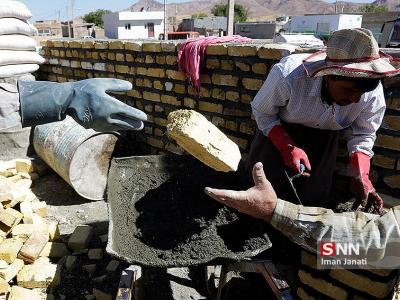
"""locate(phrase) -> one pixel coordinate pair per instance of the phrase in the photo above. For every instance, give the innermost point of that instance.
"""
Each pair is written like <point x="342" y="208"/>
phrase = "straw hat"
<point x="351" y="53"/>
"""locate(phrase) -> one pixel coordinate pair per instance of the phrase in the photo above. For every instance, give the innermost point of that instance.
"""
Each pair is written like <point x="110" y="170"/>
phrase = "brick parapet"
<point x="231" y="77"/>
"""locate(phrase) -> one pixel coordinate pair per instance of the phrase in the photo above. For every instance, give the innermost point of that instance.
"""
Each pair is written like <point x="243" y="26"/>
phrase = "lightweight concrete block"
<point x="81" y="237"/>
<point x="202" y="139"/>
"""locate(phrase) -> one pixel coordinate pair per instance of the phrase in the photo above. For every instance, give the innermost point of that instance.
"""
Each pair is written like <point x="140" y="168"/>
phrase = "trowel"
<point x="292" y="178"/>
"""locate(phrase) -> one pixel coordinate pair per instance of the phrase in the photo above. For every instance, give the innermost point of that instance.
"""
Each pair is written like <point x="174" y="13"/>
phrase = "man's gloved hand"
<point x="364" y="191"/>
<point x="86" y="101"/>
<point x="292" y="156"/>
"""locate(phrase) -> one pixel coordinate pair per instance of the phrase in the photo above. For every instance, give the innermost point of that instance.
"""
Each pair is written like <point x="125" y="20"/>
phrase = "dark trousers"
<point x="321" y="148"/>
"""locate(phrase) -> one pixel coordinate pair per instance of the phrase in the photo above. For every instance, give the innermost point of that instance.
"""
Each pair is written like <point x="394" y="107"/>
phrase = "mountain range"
<point x="259" y="8"/>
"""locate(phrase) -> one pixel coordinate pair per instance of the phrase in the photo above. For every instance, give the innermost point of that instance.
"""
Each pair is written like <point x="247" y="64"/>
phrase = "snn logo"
<point x="332" y="249"/>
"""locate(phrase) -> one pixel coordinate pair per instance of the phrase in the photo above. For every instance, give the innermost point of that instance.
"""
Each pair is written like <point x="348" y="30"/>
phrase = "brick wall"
<point x="230" y="79"/>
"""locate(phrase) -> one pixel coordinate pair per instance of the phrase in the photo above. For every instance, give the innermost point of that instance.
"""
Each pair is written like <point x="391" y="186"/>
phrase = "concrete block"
<point x="95" y="254"/>
<point x="81" y="237"/>
<point x="9" y="249"/>
<point x="112" y="266"/>
<point x="11" y="270"/>
<point x="100" y="295"/>
<point x="70" y="262"/>
<point x="4" y="286"/>
<point x="54" y="250"/>
<point x="194" y="133"/>
<point x="34" y="245"/>
<point x="90" y="269"/>
<point x="24" y="165"/>
<point x="40" y="208"/>
<point x="23" y="231"/>
<point x="20" y="293"/>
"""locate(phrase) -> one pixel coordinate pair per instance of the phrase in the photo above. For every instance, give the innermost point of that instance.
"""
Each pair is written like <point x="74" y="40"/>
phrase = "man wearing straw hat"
<point x="306" y="101"/>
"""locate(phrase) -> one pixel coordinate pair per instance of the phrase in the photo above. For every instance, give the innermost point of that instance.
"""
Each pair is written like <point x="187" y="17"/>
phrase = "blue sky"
<point x="45" y="10"/>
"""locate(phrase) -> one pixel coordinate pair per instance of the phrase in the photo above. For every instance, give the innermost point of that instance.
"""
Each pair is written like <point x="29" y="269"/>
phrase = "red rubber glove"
<point x="292" y="155"/>
<point x="364" y="191"/>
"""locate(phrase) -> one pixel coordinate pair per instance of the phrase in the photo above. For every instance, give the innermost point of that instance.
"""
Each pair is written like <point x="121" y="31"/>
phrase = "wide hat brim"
<point x="381" y="66"/>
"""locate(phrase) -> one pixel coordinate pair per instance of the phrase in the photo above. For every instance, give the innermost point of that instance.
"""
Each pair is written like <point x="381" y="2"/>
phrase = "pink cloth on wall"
<point x="191" y="54"/>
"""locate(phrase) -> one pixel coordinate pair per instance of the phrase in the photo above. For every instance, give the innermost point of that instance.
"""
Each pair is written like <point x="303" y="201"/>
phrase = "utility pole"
<point x="336" y="6"/>
<point x="72" y="14"/>
<point x="231" y="16"/>
<point x="165" y="19"/>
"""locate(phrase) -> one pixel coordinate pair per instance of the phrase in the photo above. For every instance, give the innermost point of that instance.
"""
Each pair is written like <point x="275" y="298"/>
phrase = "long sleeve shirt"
<point x="288" y="94"/>
<point x="377" y="236"/>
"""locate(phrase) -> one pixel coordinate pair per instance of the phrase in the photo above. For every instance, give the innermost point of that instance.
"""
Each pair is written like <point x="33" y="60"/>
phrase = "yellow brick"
<point x="392" y="181"/>
<point x="158" y="132"/>
<point x="75" y="53"/>
<point x="111" y="56"/>
<point x="237" y="112"/>
<point x="139" y="59"/>
<point x="147" y="83"/>
<point x="172" y="74"/>
<point x="231" y="125"/>
<point x="158" y="85"/>
<point x="205" y="92"/>
<point x="151" y="96"/>
<point x="129" y="57"/>
<point x="122" y="69"/>
<point x="322" y="286"/>
<point x="101" y="45"/>
<point x="275" y="51"/>
<point x="62" y="53"/>
<point x="95" y="55"/>
<point x="383" y="161"/>
<point x="168" y="47"/>
<point x="134" y="94"/>
<point x="242" y="66"/>
<point x="259" y="68"/>
<point x="377" y="289"/>
<point x="226" y="80"/>
<point x="74" y="44"/>
<point x="55" y="52"/>
<point x="217" y="49"/>
<point x="139" y="105"/>
<point x="252" y="84"/>
<point x="141" y="71"/>
<point x="308" y="259"/>
<point x="148" y="130"/>
<point x="59" y="44"/>
<point x="139" y="82"/>
<point x="391" y="122"/>
<point x="88" y="45"/>
<point x="148" y="108"/>
<point x="247" y="128"/>
<point x="227" y="65"/>
<point x="160" y="60"/>
<point x="149" y="59"/>
<point x="103" y="55"/>
<point x="133" y="46"/>
<point x="387" y="141"/>
<point x="303" y="295"/>
<point x="171" y="60"/>
<point x="160" y="121"/>
<point x="68" y="53"/>
<point x="158" y="108"/>
<point x="218" y="121"/>
<point x="204" y="78"/>
<point x="212" y="63"/>
<point x="242" y="143"/>
<point x="232" y="96"/>
<point x="189" y="102"/>
<point x="119" y="57"/>
<point x="116" y="45"/>
<point x="210" y="107"/>
<point x="239" y="50"/>
<point x="152" y="47"/>
<point x="180" y="89"/>
<point x="218" y="94"/>
<point x="110" y="68"/>
<point x="170" y="100"/>
<point x="156" y="72"/>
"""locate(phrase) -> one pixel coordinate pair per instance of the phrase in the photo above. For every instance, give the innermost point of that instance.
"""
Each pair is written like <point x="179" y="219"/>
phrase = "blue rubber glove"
<point x="86" y="101"/>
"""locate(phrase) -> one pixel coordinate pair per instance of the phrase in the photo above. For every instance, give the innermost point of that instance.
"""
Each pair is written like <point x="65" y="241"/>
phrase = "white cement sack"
<point x="17" y="42"/>
<point x="16" y="26"/>
<point x="15" y="70"/>
<point x="14" y="9"/>
<point x="10" y="57"/>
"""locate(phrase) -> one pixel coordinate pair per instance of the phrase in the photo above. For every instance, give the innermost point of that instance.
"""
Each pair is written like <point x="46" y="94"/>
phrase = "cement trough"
<point x="160" y="216"/>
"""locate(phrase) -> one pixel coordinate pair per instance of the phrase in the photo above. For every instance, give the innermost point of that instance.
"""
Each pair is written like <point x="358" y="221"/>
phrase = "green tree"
<point x="96" y="17"/>
<point x="199" y="15"/>
<point x="373" y="8"/>
<point x="241" y="12"/>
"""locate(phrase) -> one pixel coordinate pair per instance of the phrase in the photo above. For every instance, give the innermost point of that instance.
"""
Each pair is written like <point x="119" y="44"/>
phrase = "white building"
<point x="134" y="25"/>
<point x="323" y="25"/>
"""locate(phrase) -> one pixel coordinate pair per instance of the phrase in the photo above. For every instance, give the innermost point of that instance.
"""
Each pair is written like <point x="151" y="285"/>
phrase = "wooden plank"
<point x="277" y="283"/>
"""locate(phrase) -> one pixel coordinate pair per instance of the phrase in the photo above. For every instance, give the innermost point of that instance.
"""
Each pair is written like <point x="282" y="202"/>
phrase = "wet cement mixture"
<point x="160" y="215"/>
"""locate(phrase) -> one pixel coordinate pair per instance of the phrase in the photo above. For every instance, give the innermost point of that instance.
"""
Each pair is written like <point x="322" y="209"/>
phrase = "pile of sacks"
<point x="17" y="48"/>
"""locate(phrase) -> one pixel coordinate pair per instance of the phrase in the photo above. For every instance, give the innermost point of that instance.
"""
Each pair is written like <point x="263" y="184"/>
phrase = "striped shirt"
<point x="378" y="236"/>
<point x="289" y="95"/>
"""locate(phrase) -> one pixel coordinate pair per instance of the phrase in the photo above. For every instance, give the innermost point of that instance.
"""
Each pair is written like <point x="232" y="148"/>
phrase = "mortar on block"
<point x="160" y="215"/>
